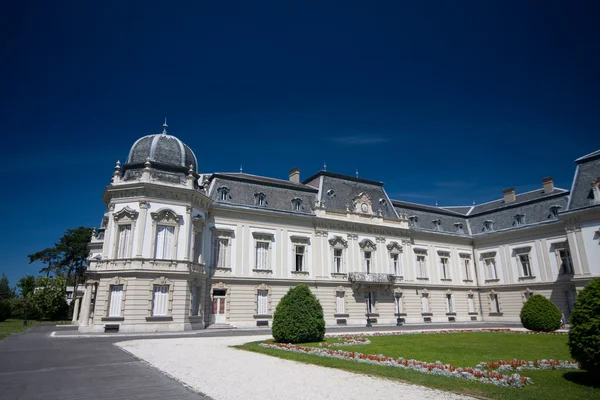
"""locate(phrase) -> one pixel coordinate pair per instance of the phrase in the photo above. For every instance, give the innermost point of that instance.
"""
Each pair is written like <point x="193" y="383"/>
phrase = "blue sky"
<point x="443" y="101"/>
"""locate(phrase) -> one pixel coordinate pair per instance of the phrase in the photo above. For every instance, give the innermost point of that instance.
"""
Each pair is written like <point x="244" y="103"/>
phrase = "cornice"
<point x="154" y="192"/>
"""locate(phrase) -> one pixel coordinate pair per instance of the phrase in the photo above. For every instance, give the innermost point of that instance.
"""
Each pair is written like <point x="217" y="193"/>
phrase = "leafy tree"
<point x="6" y="292"/>
<point x="540" y="314"/>
<point x="73" y="248"/>
<point x="298" y="317"/>
<point x="50" y="257"/>
<point x="26" y="285"/>
<point x="584" y="335"/>
<point x="5" y="310"/>
<point x="48" y="301"/>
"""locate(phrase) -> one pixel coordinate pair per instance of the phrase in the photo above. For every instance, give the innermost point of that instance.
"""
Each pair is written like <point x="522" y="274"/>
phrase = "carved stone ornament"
<point x="493" y="291"/>
<point x="367" y="244"/>
<point x="339" y="241"/>
<point x="166" y="215"/>
<point x="397" y="291"/>
<point x="448" y="291"/>
<point x="117" y="280"/>
<point x="262" y="286"/>
<point x="470" y="293"/>
<point x="126" y="213"/>
<point x="198" y="222"/>
<point x="340" y="289"/>
<point x="161" y="281"/>
<point x="220" y="286"/>
<point x="424" y="291"/>
<point x="362" y="204"/>
<point x="394" y="246"/>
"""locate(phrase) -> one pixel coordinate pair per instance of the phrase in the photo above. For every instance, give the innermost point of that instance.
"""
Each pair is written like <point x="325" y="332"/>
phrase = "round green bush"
<point x="298" y="317"/>
<point x="584" y="335"/>
<point x="4" y="310"/>
<point x="540" y="314"/>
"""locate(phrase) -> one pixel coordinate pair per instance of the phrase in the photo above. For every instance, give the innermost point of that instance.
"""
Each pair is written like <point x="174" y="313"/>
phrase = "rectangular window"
<point x="299" y="258"/>
<point x="490" y="268"/>
<point x="495" y="303"/>
<point x="525" y="265"/>
<point x="445" y="267"/>
<point x="160" y="300"/>
<point x="197" y="247"/>
<point x="124" y="238"/>
<point x="262" y="296"/>
<point x="450" y="303"/>
<point x="262" y="255"/>
<point x="371" y="303"/>
<point x="566" y="264"/>
<point x="337" y="260"/>
<point x="425" y="303"/>
<point x="339" y="302"/>
<point x="368" y="262"/>
<point x="116" y="297"/>
<point x="421" y="267"/>
<point x="221" y="252"/>
<point x="467" y="267"/>
<point x="195" y="300"/>
<point x="395" y="261"/>
<point x="471" y="303"/>
<point x="164" y="242"/>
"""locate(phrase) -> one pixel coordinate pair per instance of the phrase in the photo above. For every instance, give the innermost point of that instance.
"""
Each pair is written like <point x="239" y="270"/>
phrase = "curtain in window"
<point x="262" y="254"/>
<point x="116" y="297"/>
<point x="123" y="244"/>
<point x="164" y="242"/>
<point x="337" y="260"/>
<point x="160" y="300"/>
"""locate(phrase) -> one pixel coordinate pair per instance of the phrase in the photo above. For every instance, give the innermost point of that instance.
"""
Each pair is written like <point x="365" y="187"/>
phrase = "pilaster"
<point x="141" y="228"/>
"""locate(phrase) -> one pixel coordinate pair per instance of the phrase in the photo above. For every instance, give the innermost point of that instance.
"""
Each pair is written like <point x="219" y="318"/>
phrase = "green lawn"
<point x="466" y="350"/>
<point x="16" y="325"/>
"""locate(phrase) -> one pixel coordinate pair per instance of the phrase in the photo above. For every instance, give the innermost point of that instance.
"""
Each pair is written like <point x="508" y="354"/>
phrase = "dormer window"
<point x="223" y="192"/>
<point x="383" y="202"/>
<point x="260" y="199"/>
<point x="297" y="204"/>
<point x="414" y="220"/>
<point x="459" y="227"/>
<point x="331" y="193"/>
<point x="519" y="220"/>
<point x="488" y="225"/>
<point x="554" y="211"/>
<point x="437" y="224"/>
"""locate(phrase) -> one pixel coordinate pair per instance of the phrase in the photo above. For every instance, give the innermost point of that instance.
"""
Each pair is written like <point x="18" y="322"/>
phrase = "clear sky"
<point x="441" y="100"/>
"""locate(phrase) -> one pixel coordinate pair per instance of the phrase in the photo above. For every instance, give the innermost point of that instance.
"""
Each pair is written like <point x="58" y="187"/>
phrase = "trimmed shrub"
<point x="584" y="335"/>
<point x="540" y="314"/>
<point x="4" y="310"/>
<point x="298" y="317"/>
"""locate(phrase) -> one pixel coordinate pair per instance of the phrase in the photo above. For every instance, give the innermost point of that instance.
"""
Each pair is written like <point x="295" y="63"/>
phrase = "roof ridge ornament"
<point x="165" y="126"/>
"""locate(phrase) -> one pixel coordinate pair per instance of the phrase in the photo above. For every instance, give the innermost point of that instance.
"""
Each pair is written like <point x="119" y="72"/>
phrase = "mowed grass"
<point x="466" y="350"/>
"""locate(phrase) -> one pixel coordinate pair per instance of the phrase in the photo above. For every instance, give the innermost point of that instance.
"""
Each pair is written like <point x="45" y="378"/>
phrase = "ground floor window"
<point x="425" y="302"/>
<point x="450" y="303"/>
<point x="339" y="302"/>
<point x="195" y="301"/>
<point x="160" y="300"/>
<point x="471" y="303"/>
<point x="116" y="297"/>
<point x="495" y="303"/>
<point x="262" y="296"/>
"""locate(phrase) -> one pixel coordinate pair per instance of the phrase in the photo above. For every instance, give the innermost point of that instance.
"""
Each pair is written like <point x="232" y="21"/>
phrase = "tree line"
<point x="44" y="297"/>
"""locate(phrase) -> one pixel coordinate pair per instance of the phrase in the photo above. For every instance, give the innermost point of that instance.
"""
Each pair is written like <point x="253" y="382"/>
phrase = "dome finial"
<point x="165" y="126"/>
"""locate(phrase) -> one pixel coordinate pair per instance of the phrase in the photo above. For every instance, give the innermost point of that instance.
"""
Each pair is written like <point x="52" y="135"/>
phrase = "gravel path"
<point x="211" y="367"/>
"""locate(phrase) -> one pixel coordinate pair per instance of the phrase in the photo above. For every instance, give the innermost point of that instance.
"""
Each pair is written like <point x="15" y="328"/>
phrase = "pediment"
<point x="126" y="213"/>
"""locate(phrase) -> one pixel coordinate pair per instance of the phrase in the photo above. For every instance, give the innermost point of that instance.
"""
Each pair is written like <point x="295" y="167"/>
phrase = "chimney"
<point x="548" y="184"/>
<point x="509" y="195"/>
<point x="294" y="175"/>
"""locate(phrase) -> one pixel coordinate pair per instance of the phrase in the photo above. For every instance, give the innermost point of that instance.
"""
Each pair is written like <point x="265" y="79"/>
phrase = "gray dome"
<point x="162" y="149"/>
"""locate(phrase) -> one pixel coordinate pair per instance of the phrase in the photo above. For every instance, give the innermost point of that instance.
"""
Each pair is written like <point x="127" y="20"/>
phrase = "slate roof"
<point x="427" y="214"/>
<point x="522" y="198"/>
<point x="588" y="169"/>
<point x="464" y="210"/>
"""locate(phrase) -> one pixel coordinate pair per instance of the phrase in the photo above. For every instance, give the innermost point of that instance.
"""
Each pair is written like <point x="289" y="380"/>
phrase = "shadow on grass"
<point x="582" y="378"/>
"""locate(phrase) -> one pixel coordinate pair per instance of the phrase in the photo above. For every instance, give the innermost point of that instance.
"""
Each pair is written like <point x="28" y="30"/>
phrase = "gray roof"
<point x="464" y="210"/>
<point x="162" y="150"/>
<point x="522" y="198"/>
<point x="588" y="170"/>
<point x="445" y="219"/>
<point x="338" y="192"/>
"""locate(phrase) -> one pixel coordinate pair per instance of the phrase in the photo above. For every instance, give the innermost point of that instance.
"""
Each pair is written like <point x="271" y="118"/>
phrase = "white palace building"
<point x="178" y="250"/>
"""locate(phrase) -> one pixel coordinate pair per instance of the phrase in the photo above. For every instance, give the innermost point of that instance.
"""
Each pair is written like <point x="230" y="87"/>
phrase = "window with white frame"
<point x="450" y="309"/>
<point x="425" y="302"/>
<point x="489" y="261"/>
<point x="471" y="303"/>
<point x="262" y="251"/>
<point x="565" y="261"/>
<point x="261" y="301"/>
<point x="160" y="300"/>
<point x="524" y="263"/>
<point x="495" y="303"/>
<point x="197" y="250"/>
<point x="223" y="192"/>
<point x="123" y="241"/>
<point x="260" y="199"/>
<point x="194" y="300"/>
<point x="338" y="264"/>
<point x="367" y="261"/>
<point x="339" y="302"/>
<point x="395" y="262"/>
<point x="164" y="242"/>
<point x="300" y="250"/>
<point x="421" y="265"/>
<point x="466" y="263"/>
<point x="297" y="204"/>
<point x="221" y="252"/>
<point x="445" y="265"/>
<point x="116" y="298"/>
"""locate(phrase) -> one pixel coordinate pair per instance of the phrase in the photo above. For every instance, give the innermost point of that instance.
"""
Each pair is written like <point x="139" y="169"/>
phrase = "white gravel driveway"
<point x="210" y="366"/>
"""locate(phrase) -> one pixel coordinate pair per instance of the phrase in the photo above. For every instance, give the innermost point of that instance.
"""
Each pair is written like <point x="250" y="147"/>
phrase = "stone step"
<point x="220" y="326"/>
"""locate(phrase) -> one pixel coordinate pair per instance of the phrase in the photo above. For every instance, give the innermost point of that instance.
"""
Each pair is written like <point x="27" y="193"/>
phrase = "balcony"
<point x="363" y="278"/>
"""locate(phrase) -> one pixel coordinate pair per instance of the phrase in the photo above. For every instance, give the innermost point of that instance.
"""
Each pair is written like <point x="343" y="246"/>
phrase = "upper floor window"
<point x="221" y="252"/>
<point x="554" y="210"/>
<point x="445" y="265"/>
<point x="566" y="263"/>
<point x="124" y="240"/>
<point x="262" y="255"/>
<point x="338" y="265"/>
<point x="519" y="220"/>
<point x="297" y="204"/>
<point x="466" y="261"/>
<point x="437" y="224"/>
<point x="367" y="261"/>
<point x="223" y="193"/>
<point x="488" y="225"/>
<point x="421" y="265"/>
<point x="490" y="267"/>
<point x="164" y="242"/>
<point x="395" y="261"/>
<point x="413" y="220"/>
<point x="260" y="199"/>
<point x="525" y="265"/>
<point x="459" y="226"/>
<point x="299" y="261"/>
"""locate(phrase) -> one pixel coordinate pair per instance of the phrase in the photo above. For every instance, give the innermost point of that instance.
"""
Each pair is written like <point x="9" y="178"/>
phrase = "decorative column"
<point x="141" y="228"/>
<point x="84" y="319"/>
<point x="75" y="318"/>
<point x="573" y="250"/>
<point x="188" y="232"/>
<point x="108" y="231"/>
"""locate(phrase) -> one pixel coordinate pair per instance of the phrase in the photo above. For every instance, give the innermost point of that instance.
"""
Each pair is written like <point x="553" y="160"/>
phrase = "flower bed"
<point x="501" y="373"/>
<point x="444" y="331"/>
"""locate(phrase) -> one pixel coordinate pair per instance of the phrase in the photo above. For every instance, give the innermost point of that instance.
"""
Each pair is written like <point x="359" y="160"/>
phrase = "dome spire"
<point x="165" y="126"/>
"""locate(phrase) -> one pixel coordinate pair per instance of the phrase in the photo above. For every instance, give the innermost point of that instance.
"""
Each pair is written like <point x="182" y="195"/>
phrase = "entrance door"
<point x="218" y="306"/>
